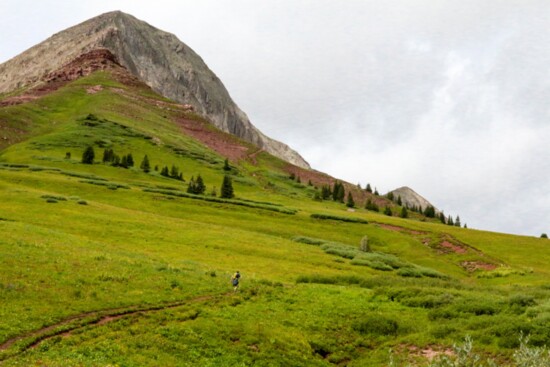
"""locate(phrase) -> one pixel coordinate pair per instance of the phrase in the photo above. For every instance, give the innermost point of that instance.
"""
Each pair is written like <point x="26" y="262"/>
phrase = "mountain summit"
<point x="156" y="57"/>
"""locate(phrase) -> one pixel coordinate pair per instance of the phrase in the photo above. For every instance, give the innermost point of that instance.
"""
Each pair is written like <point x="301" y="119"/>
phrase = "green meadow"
<point x="111" y="266"/>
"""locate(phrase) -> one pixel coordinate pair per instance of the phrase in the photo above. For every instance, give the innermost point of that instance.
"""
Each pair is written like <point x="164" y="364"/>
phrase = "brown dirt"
<point x="452" y="247"/>
<point x="224" y="144"/>
<point x="472" y="266"/>
<point x="429" y="352"/>
<point x="94" y="89"/>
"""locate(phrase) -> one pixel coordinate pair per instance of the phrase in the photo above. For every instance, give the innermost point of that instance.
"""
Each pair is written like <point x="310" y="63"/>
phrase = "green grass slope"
<point x="103" y="265"/>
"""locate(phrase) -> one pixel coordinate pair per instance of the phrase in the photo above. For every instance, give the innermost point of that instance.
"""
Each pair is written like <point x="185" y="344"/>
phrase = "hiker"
<point x="235" y="281"/>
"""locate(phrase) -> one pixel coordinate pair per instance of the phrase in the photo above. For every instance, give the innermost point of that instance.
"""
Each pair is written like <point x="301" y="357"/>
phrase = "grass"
<point x="308" y="296"/>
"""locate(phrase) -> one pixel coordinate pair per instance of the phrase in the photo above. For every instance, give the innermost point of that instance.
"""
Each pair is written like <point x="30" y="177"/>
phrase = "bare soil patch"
<point x="472" y="266"/>
<point x="453" y="247"/>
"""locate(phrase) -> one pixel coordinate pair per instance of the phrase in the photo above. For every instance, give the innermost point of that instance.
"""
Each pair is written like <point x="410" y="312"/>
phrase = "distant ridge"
<point x="157" y="58"/>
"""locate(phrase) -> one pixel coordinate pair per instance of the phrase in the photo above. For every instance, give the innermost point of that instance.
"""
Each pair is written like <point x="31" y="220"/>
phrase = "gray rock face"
<point x="158" y="58"/>
<point x="411" y="198"/>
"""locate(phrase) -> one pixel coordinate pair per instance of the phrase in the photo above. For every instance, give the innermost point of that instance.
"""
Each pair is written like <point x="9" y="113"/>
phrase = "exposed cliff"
<point x="158" y="58"/>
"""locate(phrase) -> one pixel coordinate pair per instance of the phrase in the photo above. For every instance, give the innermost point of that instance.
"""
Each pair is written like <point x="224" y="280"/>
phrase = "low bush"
<point x="377" y="325"/>
<point x="335" y="217"/>
<point x="54" y="197"/>
<point x="308" y="240"/>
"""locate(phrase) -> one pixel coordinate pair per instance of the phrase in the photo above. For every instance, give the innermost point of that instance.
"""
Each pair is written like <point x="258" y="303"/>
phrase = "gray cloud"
<point x="448" y="97"/>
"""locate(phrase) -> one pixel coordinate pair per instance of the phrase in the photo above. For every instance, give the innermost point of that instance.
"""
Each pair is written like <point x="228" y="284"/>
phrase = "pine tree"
<point x="200" y="187"/>
<point x="107" y="155"/>
<point x="465" y="225"/>
<point x="368" y="188"/>
<point x="442" y="218"/>
<point x="165" y="172"/>
<point x="457" y="221"/>
<point x="349" y="202"/>
<point x="191" y="188"/>
<point x="309" y="183"/>
<point x="124" y="162"/>
<point x="376" y="192"/>
<point x="429" y="211"/>
<point x="325" y="192"/>
<point x="174" y="172"/>
<point x="544" y="235"/>
<point x="390" y="196"/>
<point x="388" y="211"/>
<point x="226" y="190"/>
<point x="145" y="165"/>
<point x="450" y="220"/>
<point x="226" y="166"/>
<point x="88" y="155"/>
<point x="370" y="205"/>
<point x="130" y="160"/>
<point x="115" y="160"/>
<point x="404" y="213"/>
<point x="399" y="201"/>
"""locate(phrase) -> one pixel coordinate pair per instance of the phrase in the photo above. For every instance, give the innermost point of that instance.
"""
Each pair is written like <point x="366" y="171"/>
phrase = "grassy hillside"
<point x="106" y="265"/>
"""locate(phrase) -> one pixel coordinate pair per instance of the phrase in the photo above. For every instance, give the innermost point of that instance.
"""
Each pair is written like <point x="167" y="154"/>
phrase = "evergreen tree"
<point x="292" y="176"/>
<point x="465" y="225"/>
<point x="388" y="211"/>
<point x="68" y="155"/>
<point x="145" y="165"/>
<point x="165" y="172"/>
<point x="130" y="160"/>
<point x="124" y="161"/>
<point x="226" y="166"/>
<point x="191" y="188"/>
<point x="457" y="221"/>
<point x="429" y="211"/>
<point x="368" y="188"/>
<point x="404" y="213"/>
<point x="338" y="192"/>
<point x="376" y="192"/>
<point x="156" y="167"/>
<point x="174" y="172"/>
<point x="115" y="160"/>
<point x="309" y="183"/>
<point x="399" y="201"/>
<point x="107" y="155"/>
<point x="370" y="205"/>
<point x="349" y="202"/>
<point x="450" y="220"/>
<point x="390" y="196"/>
<point x="544" y="235"/>
<point x="213" y="191"/>
<point x="180" y="177"/>
<point x="200" y="187"/>
<point x="325" y="192"/>
<point x="227" y="188"/>
<point x="298" y="179"/>
<point x="88" y="155"/>
<point x="442" y="218"/>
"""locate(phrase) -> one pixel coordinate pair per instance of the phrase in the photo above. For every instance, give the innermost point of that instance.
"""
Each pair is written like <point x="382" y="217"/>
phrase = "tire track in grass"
<point x="100" y="317"/>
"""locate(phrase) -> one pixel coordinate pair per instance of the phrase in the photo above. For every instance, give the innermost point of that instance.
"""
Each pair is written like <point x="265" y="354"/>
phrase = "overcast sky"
<point x="450" y="98"/>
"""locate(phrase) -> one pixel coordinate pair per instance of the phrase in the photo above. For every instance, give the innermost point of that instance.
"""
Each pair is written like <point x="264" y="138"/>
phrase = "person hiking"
<point x="235" y="281"/>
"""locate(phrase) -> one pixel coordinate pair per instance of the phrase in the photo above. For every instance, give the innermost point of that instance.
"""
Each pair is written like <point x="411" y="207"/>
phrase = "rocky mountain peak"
<point x="411" y="198"/>
<point x="158" y="58"/>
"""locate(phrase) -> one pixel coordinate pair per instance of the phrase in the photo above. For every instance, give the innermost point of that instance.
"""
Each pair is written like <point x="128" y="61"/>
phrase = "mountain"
<point x="411" y="198"/>
<point x="163" y="62"/>
<point x="117" y="247"/>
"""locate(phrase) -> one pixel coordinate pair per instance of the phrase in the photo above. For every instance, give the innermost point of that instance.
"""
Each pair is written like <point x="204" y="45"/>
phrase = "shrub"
<point x="377" y="325"/>
<point x="88" y="155"/>
<point x="364" y="245"/>
<point x="308" y="240"/>
<point x="335" y="217"/>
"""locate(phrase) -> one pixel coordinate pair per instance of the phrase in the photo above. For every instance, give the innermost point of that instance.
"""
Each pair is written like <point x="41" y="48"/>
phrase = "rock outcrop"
<point x="410" y="198"/>
<point x="157" y="58"/>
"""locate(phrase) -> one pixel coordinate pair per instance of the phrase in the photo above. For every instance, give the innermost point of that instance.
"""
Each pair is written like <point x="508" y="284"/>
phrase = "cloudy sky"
<point x="450" y="98"/>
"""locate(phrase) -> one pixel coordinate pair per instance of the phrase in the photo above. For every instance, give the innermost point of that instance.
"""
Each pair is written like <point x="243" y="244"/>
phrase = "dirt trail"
<point x="99" y="317"/>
